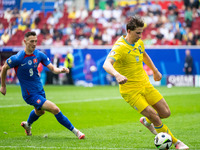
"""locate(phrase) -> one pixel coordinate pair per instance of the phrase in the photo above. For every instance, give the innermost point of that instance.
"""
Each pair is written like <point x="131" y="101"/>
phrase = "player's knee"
<point x="165" y="114"/>
<point x="55" y="110"/>
<point x="40" y="112"/>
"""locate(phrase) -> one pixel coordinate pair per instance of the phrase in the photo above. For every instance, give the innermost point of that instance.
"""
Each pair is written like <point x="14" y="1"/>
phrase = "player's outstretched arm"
<point x="57" y="70"/>
<point x="108" y="66"/>
<point x="147" y="60"/>
<point x="3" y="78"/>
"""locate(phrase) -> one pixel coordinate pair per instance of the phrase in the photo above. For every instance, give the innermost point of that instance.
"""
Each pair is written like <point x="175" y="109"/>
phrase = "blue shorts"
<point x="36" y="100"/>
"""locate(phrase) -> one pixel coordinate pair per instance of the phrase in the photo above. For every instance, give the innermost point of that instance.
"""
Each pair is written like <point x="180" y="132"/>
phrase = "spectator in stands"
<point x="12" y="28"/>
<point x="44" y="30"/>
<point x="57" y="14"/>
<point x="5" y="37"/>
<point x="48" y="40"/>
<point x="106" y="38"/>
<point x="57" y="34"/>
<point x="196" y="35"/>
<point x="159" y="35"/>
<point x="116" y="13"/>
<point x="190" y="40"/>
<point x="36" y="29"/>
<point x="98" y="36"/>
<point x="97" y="13"/>
<point x="58" y="42"/>
<point x="24" y="14"/>
<point x="51" y="29"/>
<point x="107" y="13"/>
<point x="72" y="13"/>
<point x="15" y="12"/>
<point x="188" y="17"/>
<point x="149" y="40"/>
<point x="178" y="35"/>
<point x="81" y="13"/>
<point x="188" y="66"/>
<point x="8" y="14"/>
<point x="51" y="20"/>
<point x="155" y="8"/>
<point x="59" y="5"/>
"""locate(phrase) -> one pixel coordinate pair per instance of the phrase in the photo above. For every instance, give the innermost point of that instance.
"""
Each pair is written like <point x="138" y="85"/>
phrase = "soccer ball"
<point x="93" y="68"/>
<point x="163" y="141"/>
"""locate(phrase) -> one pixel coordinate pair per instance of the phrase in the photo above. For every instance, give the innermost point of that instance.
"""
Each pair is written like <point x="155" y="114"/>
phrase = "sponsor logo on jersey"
<point x="137" y="58"/>
<point x="30" y="62"/>
<point x="35" y="60"/>
<point x="38" y="101"/>
<point x="23" y="64"/>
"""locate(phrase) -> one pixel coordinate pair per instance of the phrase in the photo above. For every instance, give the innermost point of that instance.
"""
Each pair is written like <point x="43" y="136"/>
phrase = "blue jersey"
<point x="26" y="70"/>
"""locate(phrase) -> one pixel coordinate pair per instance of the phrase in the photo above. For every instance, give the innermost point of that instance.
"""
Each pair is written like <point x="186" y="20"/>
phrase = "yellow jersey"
<point x="129" y="63"/>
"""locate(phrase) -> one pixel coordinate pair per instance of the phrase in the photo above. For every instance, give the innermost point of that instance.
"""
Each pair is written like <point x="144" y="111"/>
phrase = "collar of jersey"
<point x="127" y="41"/>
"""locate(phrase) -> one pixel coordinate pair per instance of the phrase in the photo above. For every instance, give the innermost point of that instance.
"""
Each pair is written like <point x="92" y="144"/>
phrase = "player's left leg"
<point x="62" y="119"/>
<point x="34" y="115"/>
<point x="163" y="110"/>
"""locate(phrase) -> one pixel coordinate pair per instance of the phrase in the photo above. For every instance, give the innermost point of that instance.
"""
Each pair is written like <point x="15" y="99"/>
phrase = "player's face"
<point x="135" y="34"/>
<point x="31" y="43"/>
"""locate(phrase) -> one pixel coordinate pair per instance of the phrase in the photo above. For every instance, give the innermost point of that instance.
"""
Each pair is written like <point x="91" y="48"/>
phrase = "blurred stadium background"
<point x="92" y="26"/>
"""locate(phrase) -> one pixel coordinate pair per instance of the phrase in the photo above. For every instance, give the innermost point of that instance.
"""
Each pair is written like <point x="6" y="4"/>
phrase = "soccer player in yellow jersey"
<point x="125" y="63"/>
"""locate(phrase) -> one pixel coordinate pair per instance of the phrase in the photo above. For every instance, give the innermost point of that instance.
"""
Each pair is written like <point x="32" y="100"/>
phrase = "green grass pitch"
<point x="106" y="119"/>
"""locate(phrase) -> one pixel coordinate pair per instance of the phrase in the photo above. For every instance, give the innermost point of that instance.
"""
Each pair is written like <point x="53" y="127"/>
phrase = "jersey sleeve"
<point x="13" y="61"/>
<point x="115" y="53"/>
<point x="44" y="59"/>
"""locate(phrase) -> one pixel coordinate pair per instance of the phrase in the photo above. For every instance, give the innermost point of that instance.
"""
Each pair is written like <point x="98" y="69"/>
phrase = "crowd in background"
<point x="67" y="25"/>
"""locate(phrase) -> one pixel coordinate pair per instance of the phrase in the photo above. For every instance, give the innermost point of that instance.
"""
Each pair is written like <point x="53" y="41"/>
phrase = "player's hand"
<point x="157" y="75"/>
<point x="121" y="79"/>
<point x="64" y="70"/>
<point x="3" y="90"/>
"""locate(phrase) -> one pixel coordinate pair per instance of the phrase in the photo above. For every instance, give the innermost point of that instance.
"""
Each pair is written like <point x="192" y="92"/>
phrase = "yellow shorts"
<point x="140" y="98"/>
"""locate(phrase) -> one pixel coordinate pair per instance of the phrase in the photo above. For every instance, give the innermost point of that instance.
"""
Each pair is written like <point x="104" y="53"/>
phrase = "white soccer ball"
<point x="93" y="68"/>
<point x="163" y="141"/>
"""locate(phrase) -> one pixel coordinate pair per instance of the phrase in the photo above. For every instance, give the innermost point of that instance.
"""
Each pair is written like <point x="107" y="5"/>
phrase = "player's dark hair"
<point x="134" y="22"/>
<point x="31" y="33"/>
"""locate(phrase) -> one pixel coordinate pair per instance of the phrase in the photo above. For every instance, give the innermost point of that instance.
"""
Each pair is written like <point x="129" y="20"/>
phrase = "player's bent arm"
<point x="108" y="66"/>
<point x="3" y="78"/>
<point x="57" y="70"/>
<point x="147" y="60"/>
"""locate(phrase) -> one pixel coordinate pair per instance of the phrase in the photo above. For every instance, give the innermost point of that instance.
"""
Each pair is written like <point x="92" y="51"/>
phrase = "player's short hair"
<point x="31" y="33"/>
<point x="134" y="22"/>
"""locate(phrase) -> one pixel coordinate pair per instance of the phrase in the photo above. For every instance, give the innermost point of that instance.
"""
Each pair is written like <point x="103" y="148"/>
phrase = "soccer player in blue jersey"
<point x="25" y="63"/>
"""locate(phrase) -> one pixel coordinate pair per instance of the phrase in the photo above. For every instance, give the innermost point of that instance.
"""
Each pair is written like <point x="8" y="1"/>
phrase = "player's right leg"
<point x="62" y="119"/>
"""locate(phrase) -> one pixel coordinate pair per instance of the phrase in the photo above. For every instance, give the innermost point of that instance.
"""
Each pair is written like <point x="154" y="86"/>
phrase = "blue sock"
<point x="64" y="121"/>
<point x="32" y="117"/>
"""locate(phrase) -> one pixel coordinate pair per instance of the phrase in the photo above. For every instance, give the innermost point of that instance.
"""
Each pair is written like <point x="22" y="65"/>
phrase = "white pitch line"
<point x="101" y="99"/>
<point x="43" y="147"/>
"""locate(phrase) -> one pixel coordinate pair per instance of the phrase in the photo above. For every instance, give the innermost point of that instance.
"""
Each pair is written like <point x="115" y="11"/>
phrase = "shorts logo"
<point x="38" y="101"/>
<point x="30" y="62"/>
<point x="135" y="107"/>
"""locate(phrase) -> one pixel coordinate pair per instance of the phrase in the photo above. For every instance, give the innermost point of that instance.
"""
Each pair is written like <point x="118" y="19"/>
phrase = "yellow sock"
<point x="164" y="128"/>
<point x="148" y="120"/>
